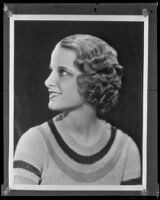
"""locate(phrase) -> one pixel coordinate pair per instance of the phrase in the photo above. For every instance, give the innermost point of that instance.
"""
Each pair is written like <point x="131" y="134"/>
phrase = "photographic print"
<point x="78" y="87"/>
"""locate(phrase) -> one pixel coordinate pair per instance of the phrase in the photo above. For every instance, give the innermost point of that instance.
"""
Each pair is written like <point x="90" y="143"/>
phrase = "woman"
<point x="76" y="146"/>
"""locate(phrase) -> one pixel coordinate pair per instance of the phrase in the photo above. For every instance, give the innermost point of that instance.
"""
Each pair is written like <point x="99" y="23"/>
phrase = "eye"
<point x="62" y="72"/>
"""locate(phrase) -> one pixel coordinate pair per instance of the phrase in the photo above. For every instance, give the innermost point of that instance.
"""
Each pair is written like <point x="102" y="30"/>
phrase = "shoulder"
<point x="132" y="165"/>
<point x="31" y="141"/>
<point x="124" y="142"/>
<point x="132" y="152"/>
<point x="30" y="156"/>
<point x="131" y="146"/>
<point x="128" y="140"/>
<point x="32" y="135"/>
<point x="131" y="155"/>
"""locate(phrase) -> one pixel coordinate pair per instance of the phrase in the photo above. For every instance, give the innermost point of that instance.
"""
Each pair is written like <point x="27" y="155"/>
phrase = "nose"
<point x="51" y="80"/>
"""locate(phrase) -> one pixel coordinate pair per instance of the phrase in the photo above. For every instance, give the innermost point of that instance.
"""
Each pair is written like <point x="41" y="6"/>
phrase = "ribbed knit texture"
<point x="45" y="156"/>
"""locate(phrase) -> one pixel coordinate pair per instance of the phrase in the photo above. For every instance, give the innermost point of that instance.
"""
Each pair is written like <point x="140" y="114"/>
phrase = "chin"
<point x="52" y="107"/>
<point x="60" y="108"/>
<point x="63" y="106"/>
<point x="55" y="107"/>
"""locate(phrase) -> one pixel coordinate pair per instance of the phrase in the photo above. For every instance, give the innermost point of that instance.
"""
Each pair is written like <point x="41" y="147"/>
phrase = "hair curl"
<point x="101" y="77"/>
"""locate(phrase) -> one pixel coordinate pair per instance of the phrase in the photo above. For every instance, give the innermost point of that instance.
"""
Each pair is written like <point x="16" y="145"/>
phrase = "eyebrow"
<point x="62" y="67"/>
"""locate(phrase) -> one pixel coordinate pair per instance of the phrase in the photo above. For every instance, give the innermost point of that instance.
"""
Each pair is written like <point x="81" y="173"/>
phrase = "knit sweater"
<point x="47" y="157"/>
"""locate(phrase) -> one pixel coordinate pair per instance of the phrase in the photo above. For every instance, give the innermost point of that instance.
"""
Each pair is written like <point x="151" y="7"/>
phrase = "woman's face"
<point x="61" y="83"/>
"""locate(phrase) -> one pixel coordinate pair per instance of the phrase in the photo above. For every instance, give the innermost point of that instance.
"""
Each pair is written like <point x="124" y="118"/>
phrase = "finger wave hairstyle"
<point x="101" y="77"/>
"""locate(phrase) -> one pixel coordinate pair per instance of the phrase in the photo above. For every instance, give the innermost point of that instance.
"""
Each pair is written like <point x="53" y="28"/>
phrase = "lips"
<point x="53" y="94"/>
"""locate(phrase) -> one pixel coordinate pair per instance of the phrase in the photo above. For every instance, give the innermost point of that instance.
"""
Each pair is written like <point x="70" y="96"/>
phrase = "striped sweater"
<point x="44" y="156"/>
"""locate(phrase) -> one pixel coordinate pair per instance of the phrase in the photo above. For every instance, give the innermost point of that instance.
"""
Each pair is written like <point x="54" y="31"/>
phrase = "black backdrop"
<point x="34" y="42"/>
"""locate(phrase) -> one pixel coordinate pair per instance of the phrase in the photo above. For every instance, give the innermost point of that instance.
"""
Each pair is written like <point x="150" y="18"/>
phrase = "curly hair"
<point x="101" y="77"/>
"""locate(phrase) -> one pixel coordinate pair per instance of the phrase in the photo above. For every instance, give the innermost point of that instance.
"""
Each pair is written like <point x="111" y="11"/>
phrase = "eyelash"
<point x="61" y="71"/>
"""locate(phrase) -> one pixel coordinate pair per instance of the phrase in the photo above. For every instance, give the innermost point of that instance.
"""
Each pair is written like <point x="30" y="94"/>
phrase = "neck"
<point x="80" y="121"/>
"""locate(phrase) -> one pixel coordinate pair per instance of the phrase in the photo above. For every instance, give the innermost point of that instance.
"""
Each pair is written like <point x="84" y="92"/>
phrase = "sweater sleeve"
<point x="132" y="168"/>
<point x="30" y="156"/>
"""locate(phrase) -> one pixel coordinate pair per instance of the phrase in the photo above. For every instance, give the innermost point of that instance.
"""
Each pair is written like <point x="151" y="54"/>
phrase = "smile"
<point x="53" y="94"/>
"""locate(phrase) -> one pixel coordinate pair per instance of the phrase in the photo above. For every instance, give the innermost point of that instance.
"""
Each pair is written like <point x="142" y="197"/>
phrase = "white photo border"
<point x="128" y="18"/>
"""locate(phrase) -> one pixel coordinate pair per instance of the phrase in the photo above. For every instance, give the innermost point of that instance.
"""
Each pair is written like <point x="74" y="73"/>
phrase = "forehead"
<point x="63" y="57"/>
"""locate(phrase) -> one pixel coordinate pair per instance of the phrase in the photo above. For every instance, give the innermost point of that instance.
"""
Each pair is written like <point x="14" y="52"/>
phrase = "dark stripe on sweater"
<point x="69" y="168"/>
<point x="77" y="157"/>
<point x="27" y="166"/>
<point x="136" y="181"/>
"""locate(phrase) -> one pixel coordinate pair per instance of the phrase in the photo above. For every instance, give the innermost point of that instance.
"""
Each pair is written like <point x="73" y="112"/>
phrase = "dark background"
<point x="34" y="42"/>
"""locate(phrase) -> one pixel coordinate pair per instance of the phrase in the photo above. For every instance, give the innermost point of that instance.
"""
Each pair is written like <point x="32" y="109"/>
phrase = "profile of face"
<point x="84" y="70"/>
<point x="62" y="81"/>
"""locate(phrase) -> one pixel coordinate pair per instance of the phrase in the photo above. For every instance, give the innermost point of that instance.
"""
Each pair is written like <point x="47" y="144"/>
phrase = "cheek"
<point x="70" y="89"/>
